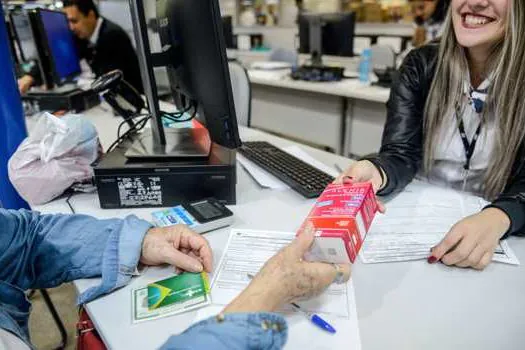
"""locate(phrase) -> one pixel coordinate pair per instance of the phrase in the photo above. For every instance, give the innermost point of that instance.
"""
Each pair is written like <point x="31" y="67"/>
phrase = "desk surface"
<point x="410" y="305"/>
<point x="350" y="88"/>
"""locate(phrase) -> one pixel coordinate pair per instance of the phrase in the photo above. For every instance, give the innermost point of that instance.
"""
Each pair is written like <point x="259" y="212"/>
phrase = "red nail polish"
<point x="432" y="259"/>
<point x="348" y="179"/>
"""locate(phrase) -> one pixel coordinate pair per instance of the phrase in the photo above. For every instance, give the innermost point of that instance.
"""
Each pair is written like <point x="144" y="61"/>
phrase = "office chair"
<point x="242" y="93"/>
<point x="383" y="56"/>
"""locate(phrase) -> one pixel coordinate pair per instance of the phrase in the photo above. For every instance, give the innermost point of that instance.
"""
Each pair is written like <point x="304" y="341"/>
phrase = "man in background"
<point x="103" y="44"/>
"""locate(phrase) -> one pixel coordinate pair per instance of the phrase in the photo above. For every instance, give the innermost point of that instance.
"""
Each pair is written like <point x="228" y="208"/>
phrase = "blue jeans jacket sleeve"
<point x="43" y="251"/>
<point x="233" y="331"/>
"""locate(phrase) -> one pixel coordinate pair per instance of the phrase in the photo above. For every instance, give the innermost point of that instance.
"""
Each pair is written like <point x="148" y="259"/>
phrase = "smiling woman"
<point x="456" y="116"/>
<point x="482" y="40"/>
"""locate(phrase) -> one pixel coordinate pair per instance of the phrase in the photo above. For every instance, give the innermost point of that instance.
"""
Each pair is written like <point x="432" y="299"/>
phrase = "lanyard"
<point x="469" y="147"/>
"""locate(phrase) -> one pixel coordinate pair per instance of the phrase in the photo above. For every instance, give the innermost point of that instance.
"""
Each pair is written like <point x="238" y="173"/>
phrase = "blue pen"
<point x="314" y="318"/>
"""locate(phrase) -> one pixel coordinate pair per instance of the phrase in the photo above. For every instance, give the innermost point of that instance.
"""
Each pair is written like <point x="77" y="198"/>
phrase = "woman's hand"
<point x="364" y="171"/>
<point x="287" y="277"/>
<point x="471" y="242"/>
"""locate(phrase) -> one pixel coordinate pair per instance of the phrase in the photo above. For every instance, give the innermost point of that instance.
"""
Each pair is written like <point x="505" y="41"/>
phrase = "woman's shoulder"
<point x="425" y="54"/>
<point x="422" y="61"/>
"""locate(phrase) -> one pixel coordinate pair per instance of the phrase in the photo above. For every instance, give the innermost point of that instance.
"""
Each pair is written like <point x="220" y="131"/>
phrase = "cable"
<point x="174" y="117"/>
<point x="125" y="122"/>
<point x="180" y="113"/>
<point x="138" y="126"/>
<point x="177" y="118"/>
<point x="68" y="201"/>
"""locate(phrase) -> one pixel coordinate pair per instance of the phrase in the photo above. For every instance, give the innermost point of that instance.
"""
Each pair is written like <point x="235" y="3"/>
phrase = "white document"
<point x="417" y="219"/>
<point x="245" y="253"/>
<point x="271" y="65"/>
<point x="269" y="75"/>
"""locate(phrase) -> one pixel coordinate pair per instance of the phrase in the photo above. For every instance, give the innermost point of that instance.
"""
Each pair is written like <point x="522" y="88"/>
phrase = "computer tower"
<point x="129" y="183"/>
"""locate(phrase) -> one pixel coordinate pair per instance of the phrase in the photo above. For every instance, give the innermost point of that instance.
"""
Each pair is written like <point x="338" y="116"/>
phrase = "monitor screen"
<point x="61" y="44"/>
<point x="337" y="33"/>
<point x="192" y="33"/>
<point x="25" y="35"/>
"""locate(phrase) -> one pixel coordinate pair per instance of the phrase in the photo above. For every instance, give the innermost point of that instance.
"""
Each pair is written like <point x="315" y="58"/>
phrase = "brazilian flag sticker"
<point x="185" y="288"/>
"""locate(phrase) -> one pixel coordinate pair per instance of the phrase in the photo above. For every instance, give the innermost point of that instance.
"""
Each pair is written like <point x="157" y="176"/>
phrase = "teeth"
<point x="475" y="20"/>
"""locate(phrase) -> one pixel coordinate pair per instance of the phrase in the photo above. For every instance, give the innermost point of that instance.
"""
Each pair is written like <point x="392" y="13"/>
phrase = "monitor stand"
<point x="181" y="143"/>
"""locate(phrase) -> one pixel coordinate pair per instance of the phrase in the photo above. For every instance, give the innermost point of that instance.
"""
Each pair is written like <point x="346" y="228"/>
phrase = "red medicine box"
<point x="341" y="217"/>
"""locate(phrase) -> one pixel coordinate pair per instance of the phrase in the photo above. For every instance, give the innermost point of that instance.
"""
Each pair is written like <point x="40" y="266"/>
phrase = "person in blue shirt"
<point x="43" y="251"/>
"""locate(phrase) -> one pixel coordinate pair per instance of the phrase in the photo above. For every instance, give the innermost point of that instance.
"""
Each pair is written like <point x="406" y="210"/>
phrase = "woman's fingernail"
<point x="348" y="179"/>
<point x="432" y="259"/>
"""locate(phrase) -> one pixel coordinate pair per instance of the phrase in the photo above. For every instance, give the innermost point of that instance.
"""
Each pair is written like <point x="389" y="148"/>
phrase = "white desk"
<point x="349" y="88"/>
<point x="347" y="116"/>
<point x="404" y="306"/>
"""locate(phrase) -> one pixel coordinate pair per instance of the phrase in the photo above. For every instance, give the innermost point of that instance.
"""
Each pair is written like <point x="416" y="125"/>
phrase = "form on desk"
<point x="417" y="219"/>
<point x="245" y="253"/>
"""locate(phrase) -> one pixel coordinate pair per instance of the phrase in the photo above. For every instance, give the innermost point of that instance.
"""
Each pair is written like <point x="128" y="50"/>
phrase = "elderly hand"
<point x="178" y="246"/>
<point x="363" y="171"/>
<point x="287" y="277"/>
<point x="471" y="242"/>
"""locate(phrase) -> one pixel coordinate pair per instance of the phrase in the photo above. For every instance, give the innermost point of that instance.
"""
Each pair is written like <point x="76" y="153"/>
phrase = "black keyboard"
<point x="302" y="177"/>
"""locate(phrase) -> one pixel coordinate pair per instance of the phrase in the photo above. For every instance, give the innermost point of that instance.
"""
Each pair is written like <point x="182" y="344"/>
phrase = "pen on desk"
<point x="314" y="318"/>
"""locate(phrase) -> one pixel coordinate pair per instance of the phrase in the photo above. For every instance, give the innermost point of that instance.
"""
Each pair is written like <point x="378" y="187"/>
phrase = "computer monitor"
<point x="11" y="36"/>
<point x="194" y="53"/>
<point x="56" y="47"/>
<point x="227" y="26"/>
<point x="326" y="34"/>
<point x="24" y="36"/>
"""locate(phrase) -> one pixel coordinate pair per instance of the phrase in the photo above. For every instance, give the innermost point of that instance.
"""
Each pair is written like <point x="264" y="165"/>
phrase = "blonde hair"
<point x="505" y="98"/>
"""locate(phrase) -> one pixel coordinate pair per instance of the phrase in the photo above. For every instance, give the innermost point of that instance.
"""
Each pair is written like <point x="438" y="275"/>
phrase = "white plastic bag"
<point x="58" y="153"/>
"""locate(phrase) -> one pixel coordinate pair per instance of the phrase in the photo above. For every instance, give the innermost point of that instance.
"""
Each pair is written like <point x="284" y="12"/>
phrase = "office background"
<point x="326" y="107"/>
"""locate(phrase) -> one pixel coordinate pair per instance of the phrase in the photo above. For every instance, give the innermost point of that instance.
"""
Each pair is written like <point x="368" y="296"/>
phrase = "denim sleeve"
<point x="233" y="331"/>
<point x="44" y="251"/>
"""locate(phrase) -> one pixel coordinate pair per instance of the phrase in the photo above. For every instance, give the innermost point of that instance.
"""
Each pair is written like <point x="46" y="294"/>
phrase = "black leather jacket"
<point x="401" y="153"/>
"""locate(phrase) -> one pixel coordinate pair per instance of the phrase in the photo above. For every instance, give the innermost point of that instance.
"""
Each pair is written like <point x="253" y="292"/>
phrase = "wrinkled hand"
<point x="471" y="242"/>
<point x="363" y="171"/>
<point x="287" y="277"/>
<point x="25" y="83"/>
<point x="178" y="246"/>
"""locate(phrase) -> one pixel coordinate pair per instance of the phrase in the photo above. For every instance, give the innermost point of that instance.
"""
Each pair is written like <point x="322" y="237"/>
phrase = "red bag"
<point x="87" y="336"/>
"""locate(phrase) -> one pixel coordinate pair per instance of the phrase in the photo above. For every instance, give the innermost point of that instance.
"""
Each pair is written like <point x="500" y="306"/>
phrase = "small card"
<point x="174" y="216"/>
<point x="185" y="289"/>
<point x="142" y="312"/>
